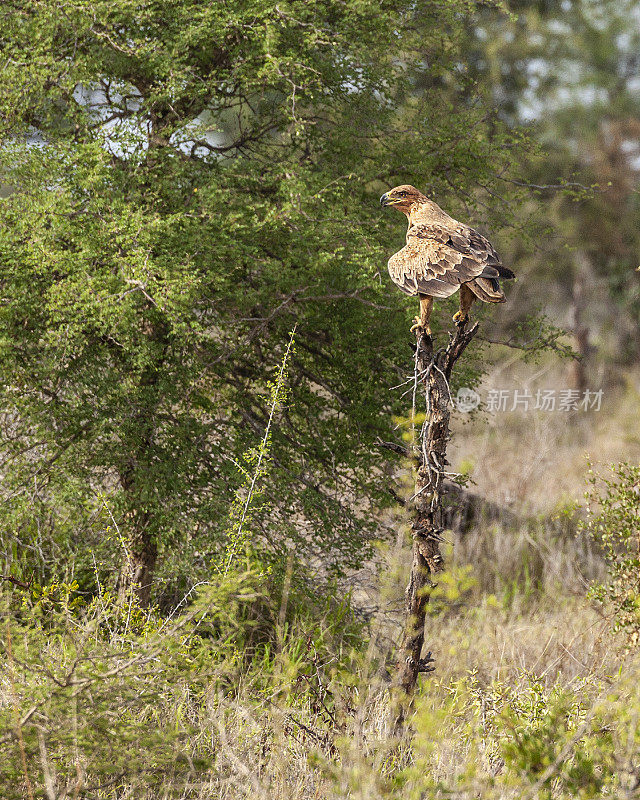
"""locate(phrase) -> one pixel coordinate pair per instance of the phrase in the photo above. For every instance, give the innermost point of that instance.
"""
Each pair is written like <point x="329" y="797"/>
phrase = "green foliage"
<point x="452" y="589"/>
<point x="256" y="460"/>
<point x="260" y="689"/>
<point x="520" y="738"/>
<point x="111" y="696"/>
<point x="549" y="745"/>
<point x="93" y="707"/>
<point x="613" y="520"/>
<point x="182" y="185"/>
<point x="185" y="183"/>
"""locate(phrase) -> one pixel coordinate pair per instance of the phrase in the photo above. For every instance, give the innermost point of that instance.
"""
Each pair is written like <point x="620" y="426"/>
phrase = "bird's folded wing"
<point x="435" y="261"/>
<point x="468" y="242"/>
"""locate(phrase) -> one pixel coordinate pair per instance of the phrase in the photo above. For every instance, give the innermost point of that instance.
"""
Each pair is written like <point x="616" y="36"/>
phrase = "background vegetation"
<point x="202" y="541"/>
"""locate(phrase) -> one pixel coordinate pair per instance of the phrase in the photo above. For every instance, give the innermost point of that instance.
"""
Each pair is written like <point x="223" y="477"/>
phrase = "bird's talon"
<point x="460" y="317"/>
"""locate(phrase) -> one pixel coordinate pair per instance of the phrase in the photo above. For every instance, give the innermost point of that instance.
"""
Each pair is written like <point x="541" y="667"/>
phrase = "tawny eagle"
<point x="441" y="256"/>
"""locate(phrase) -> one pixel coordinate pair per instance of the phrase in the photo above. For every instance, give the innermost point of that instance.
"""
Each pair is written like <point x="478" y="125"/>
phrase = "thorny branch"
<point x="433" y="371"/>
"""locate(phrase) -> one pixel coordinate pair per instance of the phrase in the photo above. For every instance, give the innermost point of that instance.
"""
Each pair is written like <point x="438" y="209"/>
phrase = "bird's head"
<point x="402" y="197"/>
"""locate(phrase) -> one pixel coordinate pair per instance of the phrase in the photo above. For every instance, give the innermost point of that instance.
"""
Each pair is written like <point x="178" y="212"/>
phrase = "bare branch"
<point x="433" y="371"/>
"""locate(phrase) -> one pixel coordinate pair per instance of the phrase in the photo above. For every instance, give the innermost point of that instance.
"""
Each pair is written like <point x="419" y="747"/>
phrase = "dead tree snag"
<point x="433" y="371"/>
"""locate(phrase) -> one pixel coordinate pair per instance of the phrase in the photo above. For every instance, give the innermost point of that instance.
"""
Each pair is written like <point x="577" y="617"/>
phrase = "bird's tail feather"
<point x="487" y="289"/>
<point x="497" y="271"/>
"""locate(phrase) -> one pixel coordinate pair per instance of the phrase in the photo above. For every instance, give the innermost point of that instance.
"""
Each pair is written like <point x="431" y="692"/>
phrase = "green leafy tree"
<point x="185" y="181"/>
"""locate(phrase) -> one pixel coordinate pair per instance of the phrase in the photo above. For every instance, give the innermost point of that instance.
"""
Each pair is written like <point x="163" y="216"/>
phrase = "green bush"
<point x="613" y="519"/>
<point x="102" y="695"/>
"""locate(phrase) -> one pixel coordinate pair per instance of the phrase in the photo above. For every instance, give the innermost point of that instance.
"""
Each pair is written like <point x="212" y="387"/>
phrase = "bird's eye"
<point x="403" y="194"/>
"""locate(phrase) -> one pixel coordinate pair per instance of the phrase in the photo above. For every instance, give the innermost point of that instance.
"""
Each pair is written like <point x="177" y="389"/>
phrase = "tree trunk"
<point x="139" y="562"/>
<point x="578" y="369"/>
<point x="140" y="537"/>
<point x="434" y="371"/>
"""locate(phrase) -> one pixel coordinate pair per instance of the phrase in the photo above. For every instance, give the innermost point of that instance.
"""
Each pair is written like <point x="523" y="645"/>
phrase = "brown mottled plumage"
<point x="441" y="256"/>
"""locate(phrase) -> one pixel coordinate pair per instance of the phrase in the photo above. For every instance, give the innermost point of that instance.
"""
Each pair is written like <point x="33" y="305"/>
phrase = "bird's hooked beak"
<point x="385" y="200"/>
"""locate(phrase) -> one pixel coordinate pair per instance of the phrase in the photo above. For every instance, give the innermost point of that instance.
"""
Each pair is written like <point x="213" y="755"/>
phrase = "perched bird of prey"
<point x="441" y="256"/>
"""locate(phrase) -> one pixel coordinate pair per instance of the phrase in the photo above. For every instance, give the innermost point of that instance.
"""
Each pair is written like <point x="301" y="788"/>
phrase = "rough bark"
<point x="139" y="562"/>
<point x="139" y="537"/>
<point x="434" y="371"/>
<point x="583" y="347"/>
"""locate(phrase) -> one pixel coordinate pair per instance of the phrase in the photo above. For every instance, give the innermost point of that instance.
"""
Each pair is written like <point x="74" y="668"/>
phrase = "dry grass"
<point x="536" y="461"/>
<point x="503" y="642"/>
<point x="556" y="642"/>
<point x="511" y="628"/>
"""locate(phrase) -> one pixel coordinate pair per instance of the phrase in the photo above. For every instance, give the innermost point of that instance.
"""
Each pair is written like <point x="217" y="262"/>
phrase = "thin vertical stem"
<point x="16" y="711"/>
